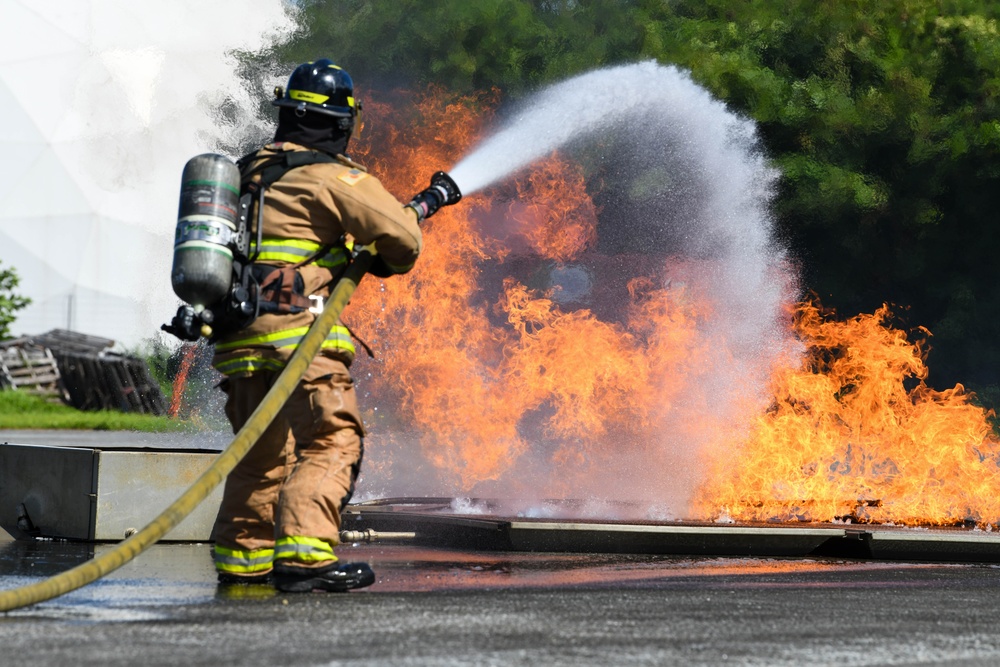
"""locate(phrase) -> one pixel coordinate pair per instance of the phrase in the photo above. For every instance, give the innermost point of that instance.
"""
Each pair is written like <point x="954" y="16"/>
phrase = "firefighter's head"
<point x="319" y="94"/>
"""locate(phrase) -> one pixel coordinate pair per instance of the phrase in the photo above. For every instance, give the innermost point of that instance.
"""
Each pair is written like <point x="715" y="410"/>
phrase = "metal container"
<point x="98" y="494"/>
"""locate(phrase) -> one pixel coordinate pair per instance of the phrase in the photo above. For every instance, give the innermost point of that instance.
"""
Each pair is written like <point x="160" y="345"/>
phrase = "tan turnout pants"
<point x="299" y="476"/>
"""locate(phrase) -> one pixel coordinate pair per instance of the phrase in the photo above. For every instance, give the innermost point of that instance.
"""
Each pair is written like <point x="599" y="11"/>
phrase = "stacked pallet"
<point x="87" y="374"/>
<point x="29" y="367"/>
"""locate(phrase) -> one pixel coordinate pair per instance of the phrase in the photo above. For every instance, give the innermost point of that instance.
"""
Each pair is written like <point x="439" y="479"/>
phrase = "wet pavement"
<point x="445" y="607"/>
<point x="439" y="606"/>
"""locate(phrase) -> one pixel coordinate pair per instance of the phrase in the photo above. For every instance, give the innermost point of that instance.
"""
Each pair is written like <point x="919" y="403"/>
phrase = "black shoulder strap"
<point x="271" y="170"/>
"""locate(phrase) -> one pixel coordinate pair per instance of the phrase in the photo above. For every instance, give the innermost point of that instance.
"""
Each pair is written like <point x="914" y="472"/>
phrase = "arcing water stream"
<point x="695" y="164"/>
<point x="635" y="404"/>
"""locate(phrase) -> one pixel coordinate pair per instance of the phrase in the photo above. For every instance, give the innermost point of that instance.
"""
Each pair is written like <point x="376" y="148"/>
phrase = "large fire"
<point x="855" y="433"/>
<point x="492" y="377"/>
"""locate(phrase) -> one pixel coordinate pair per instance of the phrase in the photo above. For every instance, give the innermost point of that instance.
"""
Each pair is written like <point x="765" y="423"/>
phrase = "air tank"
<point x="207" y="218"/>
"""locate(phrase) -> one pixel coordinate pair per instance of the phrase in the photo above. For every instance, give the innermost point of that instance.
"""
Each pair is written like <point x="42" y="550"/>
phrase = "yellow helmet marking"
<point x="306" y="96"/>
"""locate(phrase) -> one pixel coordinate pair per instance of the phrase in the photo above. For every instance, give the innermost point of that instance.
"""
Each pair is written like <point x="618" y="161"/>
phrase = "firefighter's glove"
<point x="186" y="324"/>
<point x="443" y="191"/>
<point x="379" y="268"/>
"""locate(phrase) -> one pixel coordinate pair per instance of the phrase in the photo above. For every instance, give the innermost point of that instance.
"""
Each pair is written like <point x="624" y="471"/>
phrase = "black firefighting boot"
<point x="335" y="577"/>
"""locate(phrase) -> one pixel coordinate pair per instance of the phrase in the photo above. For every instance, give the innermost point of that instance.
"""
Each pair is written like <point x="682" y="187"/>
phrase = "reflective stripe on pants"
<point x="237" y="561"/>
<point x="303" y="549"/>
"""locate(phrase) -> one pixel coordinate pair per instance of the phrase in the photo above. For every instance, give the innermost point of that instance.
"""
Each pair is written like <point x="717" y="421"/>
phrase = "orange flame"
<point x="493" y="376"/>
<point x="856" y="433"/>
<point x="180" y="381"/>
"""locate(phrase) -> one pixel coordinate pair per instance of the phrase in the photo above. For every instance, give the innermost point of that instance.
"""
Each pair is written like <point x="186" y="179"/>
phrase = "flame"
<point x="855" y="432"/>
<point x="180" y="380"/>
<point x="495" y="375"/>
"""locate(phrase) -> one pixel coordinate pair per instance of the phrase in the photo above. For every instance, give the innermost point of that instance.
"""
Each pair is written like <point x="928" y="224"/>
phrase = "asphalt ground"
<point x="442" y="607"/>
<point x="435" y="606"/>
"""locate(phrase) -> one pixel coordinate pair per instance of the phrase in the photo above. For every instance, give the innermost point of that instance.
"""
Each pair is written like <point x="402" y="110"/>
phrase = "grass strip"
<point x="20" y="410"/>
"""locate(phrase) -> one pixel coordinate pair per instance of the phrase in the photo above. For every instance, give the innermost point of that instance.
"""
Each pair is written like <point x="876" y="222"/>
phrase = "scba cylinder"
<point x="206" y="230"/>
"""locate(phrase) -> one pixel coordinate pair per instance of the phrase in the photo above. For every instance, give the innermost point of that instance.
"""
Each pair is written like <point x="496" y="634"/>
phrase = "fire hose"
<point x="92" y="570"/>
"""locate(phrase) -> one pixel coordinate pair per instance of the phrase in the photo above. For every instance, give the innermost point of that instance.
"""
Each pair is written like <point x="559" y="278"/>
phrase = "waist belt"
<point x="280" y="289"/>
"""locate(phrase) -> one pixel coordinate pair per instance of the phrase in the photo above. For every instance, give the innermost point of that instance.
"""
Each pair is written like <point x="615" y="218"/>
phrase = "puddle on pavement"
<point x="163" y="575"/>
<point x="176" y="574"/>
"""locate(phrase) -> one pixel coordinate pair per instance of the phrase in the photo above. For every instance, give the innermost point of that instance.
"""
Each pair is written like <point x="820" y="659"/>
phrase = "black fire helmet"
<point x="320" y="87"/>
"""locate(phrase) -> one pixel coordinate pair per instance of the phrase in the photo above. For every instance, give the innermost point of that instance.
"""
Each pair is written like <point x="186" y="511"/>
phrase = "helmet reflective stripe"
<point x="294" y="251"/>
<point x="305" y="549"/>
<point x="338" y="338"/>
<point x="306" y="96"/>
<point x="242" y="562"/>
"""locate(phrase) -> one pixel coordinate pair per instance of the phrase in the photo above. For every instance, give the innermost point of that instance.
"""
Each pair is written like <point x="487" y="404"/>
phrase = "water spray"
<point x="688" y="186"/>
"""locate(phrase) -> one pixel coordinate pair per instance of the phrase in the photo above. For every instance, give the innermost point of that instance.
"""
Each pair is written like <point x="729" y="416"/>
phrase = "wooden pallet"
<point x="110" y="382"/>
<point x="30" y="368"/>
<point x="80" y="370"/>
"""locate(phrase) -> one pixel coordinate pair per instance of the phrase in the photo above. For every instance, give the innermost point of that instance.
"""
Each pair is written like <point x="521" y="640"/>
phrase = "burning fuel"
<point x="642" y="347"/>
<point x="854" y="432"/>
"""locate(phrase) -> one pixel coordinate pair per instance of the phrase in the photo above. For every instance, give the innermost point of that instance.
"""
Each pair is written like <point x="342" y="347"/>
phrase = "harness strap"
<point x="273" y="167"/>
<point x="281" y="289"/>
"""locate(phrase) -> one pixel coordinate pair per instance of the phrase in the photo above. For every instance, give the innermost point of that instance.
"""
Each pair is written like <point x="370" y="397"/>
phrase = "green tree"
<point x="884" y="119"/>
<point x="10" y="301"/>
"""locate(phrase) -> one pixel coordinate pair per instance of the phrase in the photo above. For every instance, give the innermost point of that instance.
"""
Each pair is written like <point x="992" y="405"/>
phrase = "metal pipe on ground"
<point x="369" y="535"/>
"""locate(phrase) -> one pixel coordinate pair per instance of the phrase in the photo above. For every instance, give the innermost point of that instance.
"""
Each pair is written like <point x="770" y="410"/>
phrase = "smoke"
<point x="104" y="101"/>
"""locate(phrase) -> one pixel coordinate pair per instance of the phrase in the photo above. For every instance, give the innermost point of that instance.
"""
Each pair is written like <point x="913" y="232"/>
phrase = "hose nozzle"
<point x="449" y="188"/>
<point x="443" y="191"/>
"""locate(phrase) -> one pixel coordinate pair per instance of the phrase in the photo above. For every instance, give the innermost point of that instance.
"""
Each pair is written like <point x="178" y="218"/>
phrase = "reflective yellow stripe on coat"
<point x="339" y="338"/>
<point x="293" y="251"/>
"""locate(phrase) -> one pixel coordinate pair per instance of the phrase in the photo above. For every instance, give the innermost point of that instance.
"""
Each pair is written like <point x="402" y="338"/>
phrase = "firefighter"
<point x="281" y="509"/>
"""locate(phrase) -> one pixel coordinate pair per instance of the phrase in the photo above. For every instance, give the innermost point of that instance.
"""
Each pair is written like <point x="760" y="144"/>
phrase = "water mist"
<point x="699" y="188"/>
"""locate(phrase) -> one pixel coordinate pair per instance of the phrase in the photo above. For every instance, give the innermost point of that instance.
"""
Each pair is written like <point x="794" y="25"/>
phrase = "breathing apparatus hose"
<point x="94" y="569"/>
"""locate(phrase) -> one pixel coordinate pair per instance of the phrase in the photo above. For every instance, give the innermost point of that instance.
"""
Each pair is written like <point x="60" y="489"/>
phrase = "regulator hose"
<point x="94" y="569"/>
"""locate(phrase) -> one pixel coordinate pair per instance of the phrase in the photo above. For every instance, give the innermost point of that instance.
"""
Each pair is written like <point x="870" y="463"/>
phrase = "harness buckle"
<point x="317" y="306"/>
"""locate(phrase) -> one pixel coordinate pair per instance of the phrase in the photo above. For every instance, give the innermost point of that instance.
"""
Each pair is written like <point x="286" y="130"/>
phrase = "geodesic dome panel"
<point x="102" y="103"/>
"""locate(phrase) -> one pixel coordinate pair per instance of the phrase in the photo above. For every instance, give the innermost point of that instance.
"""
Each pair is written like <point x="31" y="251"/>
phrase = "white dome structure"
<point x="101" y="104"/>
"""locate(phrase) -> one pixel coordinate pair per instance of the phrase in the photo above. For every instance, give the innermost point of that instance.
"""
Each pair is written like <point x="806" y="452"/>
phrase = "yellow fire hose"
<point x="92" y="570"/>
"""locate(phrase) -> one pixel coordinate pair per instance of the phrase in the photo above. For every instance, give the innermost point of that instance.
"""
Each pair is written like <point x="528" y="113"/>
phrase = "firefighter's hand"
<point x="443" y="191"/>
<point x="379" y="267"/>
<point x="186" y="324"/>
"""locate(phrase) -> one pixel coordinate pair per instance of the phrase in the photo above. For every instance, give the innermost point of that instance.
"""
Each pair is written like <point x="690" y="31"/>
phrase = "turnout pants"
<point x="283" y="500"/>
